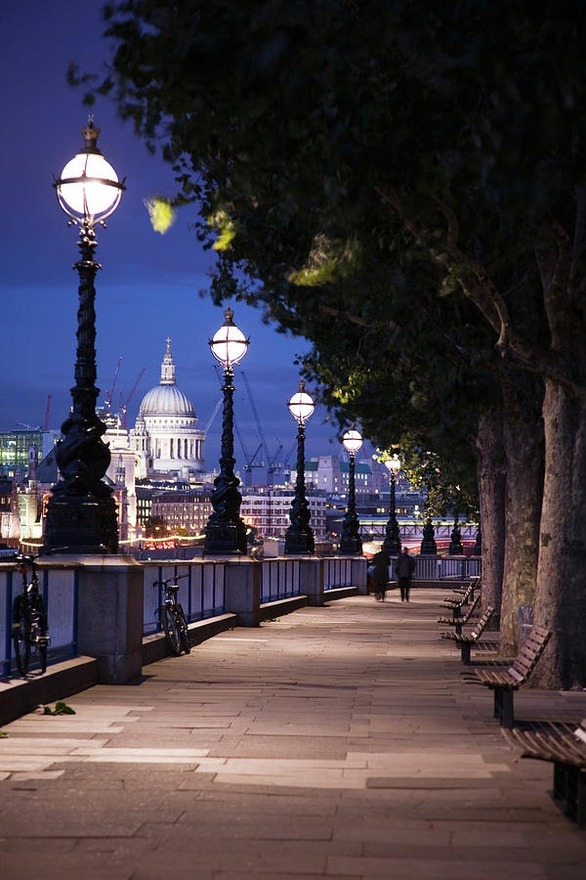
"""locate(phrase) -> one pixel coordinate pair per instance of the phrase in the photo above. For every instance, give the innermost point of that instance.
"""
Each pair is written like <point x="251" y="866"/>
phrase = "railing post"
<point x="359" y="576"/>
<point x="242" y="590"/>
<point x="110" y="615"/>
<point x="311" y="580"/>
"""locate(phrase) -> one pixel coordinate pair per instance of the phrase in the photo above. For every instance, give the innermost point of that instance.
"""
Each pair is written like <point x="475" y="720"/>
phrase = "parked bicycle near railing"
<point x="30" y="635"/>
<point x="173" y="619"/>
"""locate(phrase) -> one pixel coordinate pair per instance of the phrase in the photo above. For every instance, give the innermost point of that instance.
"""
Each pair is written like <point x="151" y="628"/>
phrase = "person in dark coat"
<point x="404" y="568"/>
<point x="380" y="575"/>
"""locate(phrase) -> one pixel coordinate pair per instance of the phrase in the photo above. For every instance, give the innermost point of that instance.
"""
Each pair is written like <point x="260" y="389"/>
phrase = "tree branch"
<point x="475" y="285"/>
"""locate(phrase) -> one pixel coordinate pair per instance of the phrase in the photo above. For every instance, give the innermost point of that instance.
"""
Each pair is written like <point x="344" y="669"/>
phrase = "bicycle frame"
<point x="173" y="619"/>
<point x="30" y="636"/>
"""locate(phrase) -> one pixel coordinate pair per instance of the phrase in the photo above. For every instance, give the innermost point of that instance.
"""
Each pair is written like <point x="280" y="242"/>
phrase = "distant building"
<point x="121" y="476"/>
<point x="330" y="473"/>
<point x="9" y="524"/>
<point x="184" y="512"/>
<point x="18" y="447"/>
<point x="165" y="438"/>
<point x="267" y="510"/>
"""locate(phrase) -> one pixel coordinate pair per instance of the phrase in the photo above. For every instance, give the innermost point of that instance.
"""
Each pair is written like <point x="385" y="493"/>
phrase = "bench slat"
<point x="505" y="682"/>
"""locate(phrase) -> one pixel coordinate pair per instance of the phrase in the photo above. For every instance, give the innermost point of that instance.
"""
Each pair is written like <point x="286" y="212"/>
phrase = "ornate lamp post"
<point x="299" y="536"/>
<point x="225" y="530"/>
<point x="392" y="540"/>
<point x="456" y="548"/>
<point x="428" y="545"/>
<point x="350" y="541"/>
<point x="81" y="514"/>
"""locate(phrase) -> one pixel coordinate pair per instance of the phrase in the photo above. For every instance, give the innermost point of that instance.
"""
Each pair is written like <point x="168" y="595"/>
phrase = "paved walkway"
<point x="336" y="742"/>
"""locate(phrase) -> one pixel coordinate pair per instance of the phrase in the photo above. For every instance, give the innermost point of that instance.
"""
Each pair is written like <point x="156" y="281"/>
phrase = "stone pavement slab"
<point x="338" y="742"/>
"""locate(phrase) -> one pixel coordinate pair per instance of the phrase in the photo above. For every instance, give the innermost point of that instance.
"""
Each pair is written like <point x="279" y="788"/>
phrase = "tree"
<point x="326" y="143"/>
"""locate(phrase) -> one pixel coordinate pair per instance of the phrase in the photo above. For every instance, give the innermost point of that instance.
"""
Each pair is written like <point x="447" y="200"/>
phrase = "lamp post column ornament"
<point x="81" y="513"/>
<point x="456" y="548"/>
<point x="299" y="536"/>
<point x="428" y="544"/>
<point x="225" y="530"/>
<point x="392" y="541"/>
<point x="478" y="543"/>
<point x="350" y="541"/>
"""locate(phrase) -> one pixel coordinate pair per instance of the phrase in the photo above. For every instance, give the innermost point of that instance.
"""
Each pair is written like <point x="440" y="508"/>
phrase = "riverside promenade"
<point x="337" y="742"/>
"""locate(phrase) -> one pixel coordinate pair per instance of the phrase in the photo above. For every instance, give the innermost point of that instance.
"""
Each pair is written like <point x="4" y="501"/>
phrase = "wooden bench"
<point x="474" y="584"/>
<point x="504" y="682"/>
<point x="461" y="597"/>
<point x="464" y="641"/>
<point x="565" y="748"/>
<point x="458" y="622"/>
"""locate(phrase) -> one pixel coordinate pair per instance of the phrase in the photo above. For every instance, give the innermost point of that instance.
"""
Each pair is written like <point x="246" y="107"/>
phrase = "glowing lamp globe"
<point x="393" y="464"/>
<point x="229" y="344"/>
<point x="88" y="188"/>
<point x="301" y="405"/>
<point x="352" y="441"/>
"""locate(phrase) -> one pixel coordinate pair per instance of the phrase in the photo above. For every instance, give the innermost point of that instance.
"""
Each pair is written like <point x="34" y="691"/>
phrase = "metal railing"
<point x="280" y="579"/>
<point x="59" y="587"/>
<point x="201" y="592"/>
<point x="433" y="568"/>
<point x="337" y="572"/>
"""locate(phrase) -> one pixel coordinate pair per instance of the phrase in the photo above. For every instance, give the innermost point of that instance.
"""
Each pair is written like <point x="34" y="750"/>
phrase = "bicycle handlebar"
<point x="23" y="559"/>
<point x="173" y="579"/>
<point x="30" y="558"/>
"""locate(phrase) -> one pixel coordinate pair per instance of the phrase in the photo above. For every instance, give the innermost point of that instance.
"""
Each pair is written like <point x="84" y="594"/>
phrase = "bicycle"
<point x="173" y="618"/>
<point x="30" y="636"/>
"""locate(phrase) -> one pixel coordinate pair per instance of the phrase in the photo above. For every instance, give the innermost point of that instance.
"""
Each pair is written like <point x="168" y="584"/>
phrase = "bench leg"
<point x="497" y="710"/>
<point x="581" y="798"/>
<point x="560" y="783"/>
<point x="465" y="651"/>
<point x="507" y="714"/>
<point x="569" y="792"/>
<point x="458" y="629"/>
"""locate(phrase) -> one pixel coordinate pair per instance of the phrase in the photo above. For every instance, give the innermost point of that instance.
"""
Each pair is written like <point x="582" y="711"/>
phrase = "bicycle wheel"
<point x="170" y="622"/>
<point x="22" y="648"/>
<point x="183" y="631"/>
<point x="40" y="646"/>
<point x="43" y="657"/>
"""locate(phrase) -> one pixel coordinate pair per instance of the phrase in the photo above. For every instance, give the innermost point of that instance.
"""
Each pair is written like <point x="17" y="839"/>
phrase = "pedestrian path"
<point x="337" y="742"/>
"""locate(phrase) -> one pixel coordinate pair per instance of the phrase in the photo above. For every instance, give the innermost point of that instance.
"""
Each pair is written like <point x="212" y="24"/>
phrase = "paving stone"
<point x="338" y="742"/>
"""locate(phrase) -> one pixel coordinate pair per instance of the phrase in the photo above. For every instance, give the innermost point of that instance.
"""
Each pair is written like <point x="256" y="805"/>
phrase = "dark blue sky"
<point x="149" y="286"/>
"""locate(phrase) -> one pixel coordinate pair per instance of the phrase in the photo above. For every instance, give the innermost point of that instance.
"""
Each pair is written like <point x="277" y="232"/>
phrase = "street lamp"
<point x="81" y="513"/>
<point x="392" y="540"/>
<point x="225" y="532"/>
<point x="456" y="548"/>
<point x="428" y="545"/>
<point x="299" y="536"/>
<point x="350" y="542"/>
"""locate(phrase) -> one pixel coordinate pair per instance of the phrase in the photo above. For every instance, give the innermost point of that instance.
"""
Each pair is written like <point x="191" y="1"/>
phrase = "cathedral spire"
<point x="167" y="366"/>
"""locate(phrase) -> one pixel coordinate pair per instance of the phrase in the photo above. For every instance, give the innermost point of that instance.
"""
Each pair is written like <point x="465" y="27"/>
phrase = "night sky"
<point x="149" y="285"/>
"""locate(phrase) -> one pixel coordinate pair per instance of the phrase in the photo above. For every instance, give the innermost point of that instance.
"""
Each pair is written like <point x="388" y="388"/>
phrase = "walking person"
<point x="380" y="575"/>
<point x="404" y="570"/>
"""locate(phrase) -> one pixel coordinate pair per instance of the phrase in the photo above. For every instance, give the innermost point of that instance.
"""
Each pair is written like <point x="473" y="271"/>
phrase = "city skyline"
<point x="149" y="286"/>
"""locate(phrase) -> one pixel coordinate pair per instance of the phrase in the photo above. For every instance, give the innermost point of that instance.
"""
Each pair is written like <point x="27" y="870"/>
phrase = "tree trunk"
<point x="560" y="601"/>
<point x="524" y="449"/>
<point x="491" y="490"/>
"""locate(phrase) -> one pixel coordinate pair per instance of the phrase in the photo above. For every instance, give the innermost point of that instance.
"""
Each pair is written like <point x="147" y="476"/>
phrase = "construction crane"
<point x="281" y="467"/>
<point x="123" y="408"/>
<point x="250" y="460"/>
<point x="47" y="413"/>
<point x="213" y="415"/>
<point x="271" y="459"/>
<point x="110" y="393"/>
